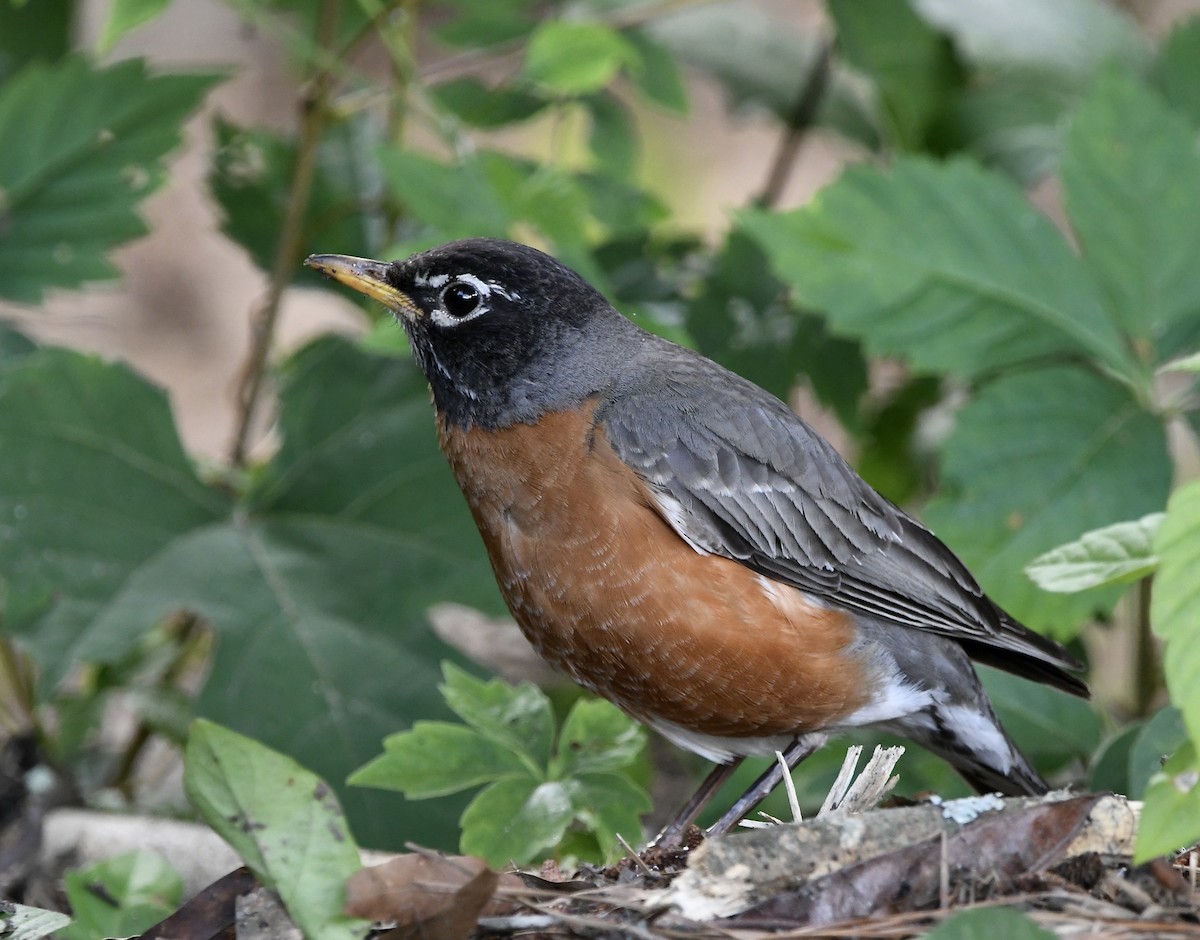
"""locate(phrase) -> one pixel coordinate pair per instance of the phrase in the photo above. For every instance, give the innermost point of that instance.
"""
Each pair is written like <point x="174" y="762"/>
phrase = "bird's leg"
<point x="672" y="835"/>
<point x="795" y="753"/>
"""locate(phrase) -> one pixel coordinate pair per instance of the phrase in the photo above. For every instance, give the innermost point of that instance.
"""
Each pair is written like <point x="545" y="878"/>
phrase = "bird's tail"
<point x="971" y="738"/>
<point x="1020" y="779"/>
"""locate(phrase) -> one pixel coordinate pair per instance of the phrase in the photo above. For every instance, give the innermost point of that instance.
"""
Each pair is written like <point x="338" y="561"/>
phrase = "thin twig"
<point x="314" y="113"/>
<point x="790" y="785"/>
<point x="629" y="850"/>
<point x="803" y="116"/>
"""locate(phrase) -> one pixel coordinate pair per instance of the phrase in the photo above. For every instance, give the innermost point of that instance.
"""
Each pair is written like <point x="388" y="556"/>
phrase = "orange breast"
<point x="608" y="592"/>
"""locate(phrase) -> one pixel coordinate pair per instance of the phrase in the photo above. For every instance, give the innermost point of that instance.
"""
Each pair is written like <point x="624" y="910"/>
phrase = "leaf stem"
<point x="189" y="638"/>
<point x="314" y="112"/>
<point x="1146" y="672"/>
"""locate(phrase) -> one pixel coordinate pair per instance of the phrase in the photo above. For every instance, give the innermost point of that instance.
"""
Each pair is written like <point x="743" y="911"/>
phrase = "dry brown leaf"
<point x="426" y="895"/>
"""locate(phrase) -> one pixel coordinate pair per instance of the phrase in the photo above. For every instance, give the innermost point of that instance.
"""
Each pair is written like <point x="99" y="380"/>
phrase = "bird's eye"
<point x="460" y="299"/>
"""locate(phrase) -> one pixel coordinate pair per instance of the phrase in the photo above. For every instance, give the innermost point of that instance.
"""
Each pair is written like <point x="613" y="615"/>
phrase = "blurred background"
<point x="977" y="315"/>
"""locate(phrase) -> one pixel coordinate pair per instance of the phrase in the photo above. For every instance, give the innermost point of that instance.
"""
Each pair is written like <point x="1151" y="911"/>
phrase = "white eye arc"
<point x="463" y="298"/>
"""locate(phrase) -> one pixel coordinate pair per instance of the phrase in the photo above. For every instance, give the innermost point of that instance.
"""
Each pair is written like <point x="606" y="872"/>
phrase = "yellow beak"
<point x="366" y="277"/>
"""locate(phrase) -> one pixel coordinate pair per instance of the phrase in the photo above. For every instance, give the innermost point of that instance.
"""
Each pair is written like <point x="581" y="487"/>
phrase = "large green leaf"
<point x="13" y="345"/>
<point x="1177" y="71"/>
<point x="1171" y="819"/>
<point x="1036" y="459"/>
<point x="944" y="264"/>
<point x="1175" y="608"/>
<point x="1131" y="174"/>
<point x="30" y="31"/>
<point x="1068" y="41"/>
<point x="912" y="64"/>
<point x="127" y="15"/>
<point x="283" y="821"/>
<point x="762" y="61"/>
<point x="93" y="485"/>
<point x="80" y="147"/>
<point x="741" y="317"/>
<point x="317" y="587"/>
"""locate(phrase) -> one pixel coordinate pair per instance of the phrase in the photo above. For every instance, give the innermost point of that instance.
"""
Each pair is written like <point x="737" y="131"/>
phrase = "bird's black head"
<point x="503" y="332"/>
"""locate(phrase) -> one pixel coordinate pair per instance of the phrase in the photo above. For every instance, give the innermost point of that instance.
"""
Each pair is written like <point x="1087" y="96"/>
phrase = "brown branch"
<point x="313" y="115"/>
<point x="799" y="122"/>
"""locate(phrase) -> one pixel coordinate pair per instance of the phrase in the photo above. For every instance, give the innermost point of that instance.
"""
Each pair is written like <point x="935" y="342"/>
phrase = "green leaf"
<point x="283" y="820"/>
<point x="1171" y="816"/>
<point x="1176" y="73"/>
<point x="892" y="455"/>
<point x="13" y="345"/>
<point x="516" y="820"/>
<point x="517" y="716"/>
<point x="33" y="31"/>
<point x="1109" y="768"/>
<point x="911" y="64"/>
<point x="319" y="572"/>
<point x="460" y="201"/>
<point x="760" y="59"/>
<point x="610" y="805"/>
<point x="1130" y="172"/>
<point x="612" y="140"/>
<point x="1116" y="554"/>
<point x="1037" y="458"/>
<point x="121" y="895"/>
<point x="19" y="922"/>
<point x="989" y="923"/>
<point x="474" y="103"/>
<point x="596" y="737"/>
<point x="574" y="58"/>
<point x="1070" y="40"/>
<point x="895" y="257"/>
<point x="125" y="16"/>
<point x="436" y="758"/>
<point x="1014" y="124"/>
<point x="1183" y="364"/>
<point x="69" y="188"/>
<point x="251" y="179"/>
<point x="482" y="23"/>
<point x="94" y="484"/>
<point x="740" y="317"/>
<point x="657" y="75"/>
<point x="1175" y="607"/>
<point x="1158" y="739"/>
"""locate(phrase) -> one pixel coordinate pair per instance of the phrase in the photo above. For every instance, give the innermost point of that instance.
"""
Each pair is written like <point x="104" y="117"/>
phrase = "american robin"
<point x="677" y="540"/>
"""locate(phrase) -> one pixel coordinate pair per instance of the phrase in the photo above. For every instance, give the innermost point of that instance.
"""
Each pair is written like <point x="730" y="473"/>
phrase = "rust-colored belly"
<point x="606" y="590"/>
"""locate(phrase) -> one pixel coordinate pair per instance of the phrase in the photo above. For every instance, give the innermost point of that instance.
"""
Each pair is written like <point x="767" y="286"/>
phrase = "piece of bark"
<point x="727" y="876"/>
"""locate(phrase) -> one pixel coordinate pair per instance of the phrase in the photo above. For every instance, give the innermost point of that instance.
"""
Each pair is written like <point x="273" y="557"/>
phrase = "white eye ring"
<point x="461" y="299"/>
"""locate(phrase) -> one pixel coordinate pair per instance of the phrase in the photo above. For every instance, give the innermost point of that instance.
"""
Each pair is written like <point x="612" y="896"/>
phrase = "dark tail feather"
<point x="1020" y="779"/>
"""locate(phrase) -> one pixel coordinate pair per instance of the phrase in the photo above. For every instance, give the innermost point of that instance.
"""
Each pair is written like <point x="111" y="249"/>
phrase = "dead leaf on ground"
<point x="424" y="895"/>
<point x="210" y="914"/>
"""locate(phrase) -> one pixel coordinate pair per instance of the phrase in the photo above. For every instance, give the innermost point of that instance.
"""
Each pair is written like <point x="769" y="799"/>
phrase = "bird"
<point x="678" y="541"/>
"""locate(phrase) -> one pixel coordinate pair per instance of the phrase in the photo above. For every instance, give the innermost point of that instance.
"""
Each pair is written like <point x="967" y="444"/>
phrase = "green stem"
<point x="189" y="638"/>
<point x="1146" y="671"/>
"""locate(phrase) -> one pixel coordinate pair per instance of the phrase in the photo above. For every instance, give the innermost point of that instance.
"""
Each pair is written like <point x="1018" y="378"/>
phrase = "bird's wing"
<point x="737" y="474"/>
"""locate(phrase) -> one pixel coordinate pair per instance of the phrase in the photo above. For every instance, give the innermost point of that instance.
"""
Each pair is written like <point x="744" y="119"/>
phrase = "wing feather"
<point x="739" y="475"/>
